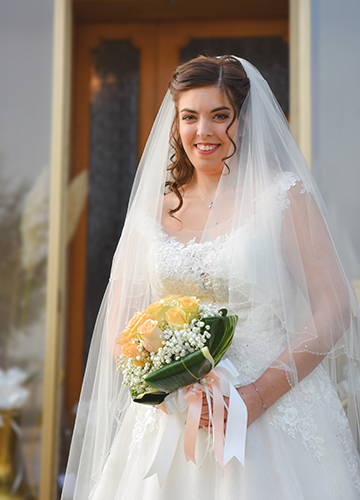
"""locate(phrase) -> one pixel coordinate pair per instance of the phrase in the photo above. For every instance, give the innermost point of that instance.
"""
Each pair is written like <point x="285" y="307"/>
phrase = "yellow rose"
<point x="155" y="306"/>
<point x="157" y="310"/>
<point x="176" y="317"/>
<point x="150" y="335"/>
<point x="169" y="299"/>
<point x="190" y="306"/>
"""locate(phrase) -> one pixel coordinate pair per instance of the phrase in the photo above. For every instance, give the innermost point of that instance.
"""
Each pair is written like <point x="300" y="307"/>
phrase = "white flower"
<point x="12" y="393"/>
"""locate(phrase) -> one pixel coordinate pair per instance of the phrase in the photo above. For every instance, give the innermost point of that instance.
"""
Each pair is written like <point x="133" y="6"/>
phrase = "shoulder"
<point x="290" y="181"/>
<point x="170" y="201"/>
<point x="290" y="191"/>
<point x="290" y="188"/>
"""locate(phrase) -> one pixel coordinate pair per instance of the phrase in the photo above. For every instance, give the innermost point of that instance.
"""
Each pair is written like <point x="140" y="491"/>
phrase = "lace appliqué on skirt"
<point x="296" y="417"/>
<point x="300" y="414"/>
<point x="146" y="422"/>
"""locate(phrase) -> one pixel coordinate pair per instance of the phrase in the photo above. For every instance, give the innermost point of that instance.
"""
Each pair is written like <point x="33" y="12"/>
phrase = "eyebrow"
<point x="221" y="108"/>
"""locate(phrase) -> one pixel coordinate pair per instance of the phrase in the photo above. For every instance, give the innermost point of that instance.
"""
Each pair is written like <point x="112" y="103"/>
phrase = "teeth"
<point x="204" y="147"/>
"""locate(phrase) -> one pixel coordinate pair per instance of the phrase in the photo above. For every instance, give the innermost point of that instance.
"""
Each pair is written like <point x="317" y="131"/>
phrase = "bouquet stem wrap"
<point x="193" y="395"/>
<point x="187" y="409"/>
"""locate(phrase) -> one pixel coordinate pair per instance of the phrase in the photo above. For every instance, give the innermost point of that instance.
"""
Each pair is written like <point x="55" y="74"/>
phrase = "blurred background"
<point x="80" y="85"/>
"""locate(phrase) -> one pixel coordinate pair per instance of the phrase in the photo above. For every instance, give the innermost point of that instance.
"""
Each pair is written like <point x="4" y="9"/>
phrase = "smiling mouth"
<point x="206" y="147"/>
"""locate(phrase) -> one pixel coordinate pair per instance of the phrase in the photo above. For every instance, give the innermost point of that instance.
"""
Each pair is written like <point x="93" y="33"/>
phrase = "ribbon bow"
<point x="193" y="395"/>
<point x="185" y="405"/>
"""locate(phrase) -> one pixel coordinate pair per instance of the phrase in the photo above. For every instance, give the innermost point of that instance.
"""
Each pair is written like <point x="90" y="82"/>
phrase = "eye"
<point x="188" y="118"/>
<point x="221" y="116"/>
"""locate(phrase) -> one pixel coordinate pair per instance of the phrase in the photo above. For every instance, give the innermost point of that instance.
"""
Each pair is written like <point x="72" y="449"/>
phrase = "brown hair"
<point x="228" y="74"/>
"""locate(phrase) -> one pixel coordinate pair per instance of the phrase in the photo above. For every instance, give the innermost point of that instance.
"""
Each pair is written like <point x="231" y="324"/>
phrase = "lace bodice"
<point x="203" y="270"/>
<point x="196" y="269"/>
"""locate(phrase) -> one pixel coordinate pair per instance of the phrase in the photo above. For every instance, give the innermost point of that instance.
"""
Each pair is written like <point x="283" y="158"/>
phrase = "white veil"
<point x="297" y="284"/>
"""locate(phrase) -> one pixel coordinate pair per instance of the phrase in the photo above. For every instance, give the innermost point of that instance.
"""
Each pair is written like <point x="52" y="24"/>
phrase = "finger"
<point x="204" y="421"/>
<point x="205" y="410"/>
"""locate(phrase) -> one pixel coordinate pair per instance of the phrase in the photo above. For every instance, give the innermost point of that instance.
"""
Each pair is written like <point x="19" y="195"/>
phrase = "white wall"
<point x="26" y="47"/>
<point x="336" y="119"/>
<point x="26" y="60"/>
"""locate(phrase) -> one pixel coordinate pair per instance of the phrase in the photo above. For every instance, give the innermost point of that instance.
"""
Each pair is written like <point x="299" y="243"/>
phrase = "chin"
<point x="207" y="168"/>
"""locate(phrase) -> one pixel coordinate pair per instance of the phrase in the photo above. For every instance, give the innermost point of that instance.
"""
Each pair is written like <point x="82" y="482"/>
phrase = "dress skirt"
<point x="301" y="448"/>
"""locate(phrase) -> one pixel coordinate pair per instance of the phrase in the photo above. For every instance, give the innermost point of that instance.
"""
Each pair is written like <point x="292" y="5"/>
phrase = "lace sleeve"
<point x="283" y="182"/>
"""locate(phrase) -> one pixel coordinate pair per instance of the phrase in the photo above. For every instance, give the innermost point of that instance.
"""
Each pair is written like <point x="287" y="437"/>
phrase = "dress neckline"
<point x="191" y="242"/>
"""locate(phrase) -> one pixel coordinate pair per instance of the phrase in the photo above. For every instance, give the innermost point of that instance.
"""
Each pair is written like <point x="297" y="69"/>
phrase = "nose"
<point x="204" y="128"/>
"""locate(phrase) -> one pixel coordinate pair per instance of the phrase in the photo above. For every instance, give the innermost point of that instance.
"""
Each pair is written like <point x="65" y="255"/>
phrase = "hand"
<point x="251" y="399"/>
<point x="205" y="417"/>
<point x="162" y="407"/>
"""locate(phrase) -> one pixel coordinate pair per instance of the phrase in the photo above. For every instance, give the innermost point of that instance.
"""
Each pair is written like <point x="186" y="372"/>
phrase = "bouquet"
<point x="174" y="343"/>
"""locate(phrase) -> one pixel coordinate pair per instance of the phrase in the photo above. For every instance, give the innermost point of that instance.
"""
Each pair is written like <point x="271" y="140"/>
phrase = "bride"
<point x="224" y="208"/>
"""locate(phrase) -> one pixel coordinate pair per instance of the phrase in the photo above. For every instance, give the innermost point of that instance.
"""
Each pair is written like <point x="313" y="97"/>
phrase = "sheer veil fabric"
<point x="281" y="270"/>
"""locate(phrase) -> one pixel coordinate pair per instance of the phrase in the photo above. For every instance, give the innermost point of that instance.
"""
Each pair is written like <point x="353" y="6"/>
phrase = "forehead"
<point x="203" y="99"/>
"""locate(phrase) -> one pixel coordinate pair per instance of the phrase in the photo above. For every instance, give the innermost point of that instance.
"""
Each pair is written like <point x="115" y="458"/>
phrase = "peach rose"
<point x="130" y="350"/>
<point x="130" y="331"/>
<point x="190" y="306"/>
<point x="133" y="322"/>
<point x="150" y="335"/>
<point x="155" y="306"/>
<point x="136" y="321"/>
<point x="176" y="317"/>
<point x="125" y="338"/>
<point x="169" y="299"/>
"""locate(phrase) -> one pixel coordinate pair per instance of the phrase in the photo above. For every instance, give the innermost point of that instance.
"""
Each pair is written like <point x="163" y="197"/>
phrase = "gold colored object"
<point x="8" y="474"/>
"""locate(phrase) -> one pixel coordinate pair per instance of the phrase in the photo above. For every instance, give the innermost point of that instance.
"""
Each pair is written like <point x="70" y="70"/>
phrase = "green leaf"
<point x="152" y="397"/>
<point x="222" y="332"/>
<point x="186" y="371"/>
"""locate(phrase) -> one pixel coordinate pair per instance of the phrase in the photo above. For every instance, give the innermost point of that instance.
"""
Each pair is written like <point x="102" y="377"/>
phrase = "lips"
<point x="206" y="148"/>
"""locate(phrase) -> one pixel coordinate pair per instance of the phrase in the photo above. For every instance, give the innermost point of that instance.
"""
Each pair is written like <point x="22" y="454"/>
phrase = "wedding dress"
<point x="265" y="254"/>
<point x="300" y="449"/>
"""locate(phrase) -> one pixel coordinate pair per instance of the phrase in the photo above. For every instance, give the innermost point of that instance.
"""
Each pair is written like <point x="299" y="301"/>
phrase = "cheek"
<point x="186" y="136"/>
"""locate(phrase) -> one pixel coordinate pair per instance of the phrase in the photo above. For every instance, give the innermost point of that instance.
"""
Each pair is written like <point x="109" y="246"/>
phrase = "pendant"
<point x="211" y="204"/>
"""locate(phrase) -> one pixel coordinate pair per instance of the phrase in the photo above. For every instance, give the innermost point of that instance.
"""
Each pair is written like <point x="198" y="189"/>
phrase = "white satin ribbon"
<point x="236" y="425"/>
<point x="167" y="447"/>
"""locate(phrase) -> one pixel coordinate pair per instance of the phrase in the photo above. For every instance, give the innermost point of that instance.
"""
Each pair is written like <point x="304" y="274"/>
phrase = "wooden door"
<point x="152" y="51"/>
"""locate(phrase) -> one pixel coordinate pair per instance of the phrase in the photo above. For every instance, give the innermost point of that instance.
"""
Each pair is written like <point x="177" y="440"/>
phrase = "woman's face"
<point x="204" y="115"/>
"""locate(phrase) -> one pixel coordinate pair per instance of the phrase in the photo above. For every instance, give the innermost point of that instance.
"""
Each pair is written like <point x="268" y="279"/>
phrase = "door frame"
<point x="300" y="110"/>
<point x="160" y="44"/>
<point x="55" y="298"/>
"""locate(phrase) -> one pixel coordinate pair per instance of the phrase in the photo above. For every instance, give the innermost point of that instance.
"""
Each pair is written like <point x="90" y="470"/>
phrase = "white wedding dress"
<point x="301" y="448"/>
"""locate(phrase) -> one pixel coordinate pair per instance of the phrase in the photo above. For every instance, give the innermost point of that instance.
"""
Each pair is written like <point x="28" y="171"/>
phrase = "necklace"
<point x="211" y="201"/>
